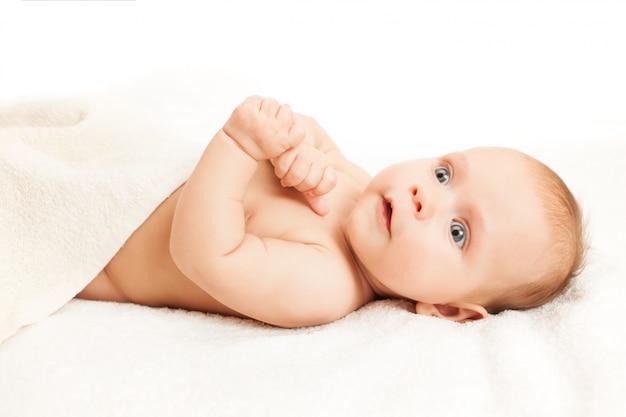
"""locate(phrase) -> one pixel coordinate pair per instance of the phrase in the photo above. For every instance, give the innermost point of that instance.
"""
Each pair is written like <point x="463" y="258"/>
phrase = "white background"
<point x="467" y="68"/>
<point x="388" y="79"/>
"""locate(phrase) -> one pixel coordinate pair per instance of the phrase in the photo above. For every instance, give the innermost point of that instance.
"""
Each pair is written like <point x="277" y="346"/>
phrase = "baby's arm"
<point x="272" y="280"/>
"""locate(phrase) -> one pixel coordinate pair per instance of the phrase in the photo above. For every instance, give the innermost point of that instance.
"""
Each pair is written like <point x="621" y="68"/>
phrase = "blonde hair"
<point x="568" y="247"/>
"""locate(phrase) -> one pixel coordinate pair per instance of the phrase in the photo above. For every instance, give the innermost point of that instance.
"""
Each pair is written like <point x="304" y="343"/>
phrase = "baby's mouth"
<point x="387" y="211"/>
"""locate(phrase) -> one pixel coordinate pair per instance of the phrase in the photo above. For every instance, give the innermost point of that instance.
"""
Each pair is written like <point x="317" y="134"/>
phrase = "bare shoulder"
<point x="339" y="289"/>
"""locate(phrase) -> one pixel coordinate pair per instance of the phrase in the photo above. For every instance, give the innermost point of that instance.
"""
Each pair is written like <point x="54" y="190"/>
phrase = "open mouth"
<point x="387" y="210"/>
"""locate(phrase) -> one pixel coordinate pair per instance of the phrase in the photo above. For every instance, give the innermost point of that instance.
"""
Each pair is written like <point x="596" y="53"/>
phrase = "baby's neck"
<point x="379" y="291"/>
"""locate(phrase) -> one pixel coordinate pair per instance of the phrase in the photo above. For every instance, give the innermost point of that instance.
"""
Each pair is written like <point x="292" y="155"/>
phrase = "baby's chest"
<point x="279" y="212"/>
<point x="284" y="215"/>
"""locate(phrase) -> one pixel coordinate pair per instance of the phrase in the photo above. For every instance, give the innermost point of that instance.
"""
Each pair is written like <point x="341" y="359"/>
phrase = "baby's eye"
<point x="457" y="230"/>
<point x="443" y="175"/>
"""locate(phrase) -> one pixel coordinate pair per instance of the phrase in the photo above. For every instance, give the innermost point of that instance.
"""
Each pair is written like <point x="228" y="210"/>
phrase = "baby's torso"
<point x="144" y="272"/>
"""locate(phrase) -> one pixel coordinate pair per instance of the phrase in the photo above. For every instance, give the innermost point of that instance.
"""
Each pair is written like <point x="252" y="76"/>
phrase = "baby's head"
<point x="467" y="234"/>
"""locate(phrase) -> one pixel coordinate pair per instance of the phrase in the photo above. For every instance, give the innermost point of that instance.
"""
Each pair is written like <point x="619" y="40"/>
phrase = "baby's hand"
<point x="309" y="171"/>
<point x="264" y="128"/>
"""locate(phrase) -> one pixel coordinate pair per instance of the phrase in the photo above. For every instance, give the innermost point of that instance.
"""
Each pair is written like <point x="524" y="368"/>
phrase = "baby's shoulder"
<point x="341" y="273"/>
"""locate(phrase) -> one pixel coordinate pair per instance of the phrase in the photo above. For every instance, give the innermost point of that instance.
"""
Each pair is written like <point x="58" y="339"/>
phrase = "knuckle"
<point x="269" y="104"/>
<point x="251" y="102"/>
<point x="306" y="183"/>
<point x="297" y="175"/>
<point x="253" y="98"/>
<point x="328" y="181"/>
<point x="280" y="168"/>
<point x="309" y="184"/>
<point x="298" y="171"/>
<point x="312" y="181"/>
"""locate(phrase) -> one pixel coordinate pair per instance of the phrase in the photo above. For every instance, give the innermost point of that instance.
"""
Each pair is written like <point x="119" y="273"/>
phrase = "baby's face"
<point x="439" y="230"/>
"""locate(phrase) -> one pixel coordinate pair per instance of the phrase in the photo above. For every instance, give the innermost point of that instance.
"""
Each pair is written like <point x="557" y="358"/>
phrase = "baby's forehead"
<point x="476" y="164"/>
<point x="492" y="153"/>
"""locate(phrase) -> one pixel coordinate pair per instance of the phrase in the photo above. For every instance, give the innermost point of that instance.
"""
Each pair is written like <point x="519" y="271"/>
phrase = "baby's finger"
<point x="270" y="107"/>
<point x="283" y="161"/>
<point x="297" y="132"/>
<point x="317" y="203"/>
<point x="252" y="103"/>
<point x="316" y="196"/>
<point x="288" y="125"/>
<point x="302" y="174"/>
<point x="284" y="115"/>
<point x="327" y="182"/>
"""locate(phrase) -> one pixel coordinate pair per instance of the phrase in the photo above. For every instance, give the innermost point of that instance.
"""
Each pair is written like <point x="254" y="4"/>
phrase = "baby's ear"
<point x="459" y="312"/>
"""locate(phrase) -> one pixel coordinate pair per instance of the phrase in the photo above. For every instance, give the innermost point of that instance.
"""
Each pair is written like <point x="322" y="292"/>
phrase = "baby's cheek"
<point x="426" y="261"/>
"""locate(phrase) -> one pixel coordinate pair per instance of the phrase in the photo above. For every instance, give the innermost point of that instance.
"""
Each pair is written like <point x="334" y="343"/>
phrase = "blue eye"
<point x="457" y="230"/>
<point x="443" y="175"/>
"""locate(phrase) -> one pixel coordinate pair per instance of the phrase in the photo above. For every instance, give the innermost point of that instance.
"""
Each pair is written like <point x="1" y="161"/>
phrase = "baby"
<point x="277" y="225"/>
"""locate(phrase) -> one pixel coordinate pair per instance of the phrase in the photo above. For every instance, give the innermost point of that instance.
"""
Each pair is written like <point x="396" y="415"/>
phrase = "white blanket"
<point x="92" y="358"/>
<point x="77" y="177"/>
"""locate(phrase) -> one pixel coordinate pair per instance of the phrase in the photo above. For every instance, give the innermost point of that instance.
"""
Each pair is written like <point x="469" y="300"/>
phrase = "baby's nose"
<point x="420" y="199"/>
<point x="418" y="204"/>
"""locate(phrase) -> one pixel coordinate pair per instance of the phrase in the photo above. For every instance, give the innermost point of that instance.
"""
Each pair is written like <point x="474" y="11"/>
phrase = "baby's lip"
<point x="387" y="212"/>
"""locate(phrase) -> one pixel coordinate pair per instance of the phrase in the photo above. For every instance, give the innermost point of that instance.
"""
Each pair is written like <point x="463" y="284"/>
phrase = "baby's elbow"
<point x="199" y="266"/>
<point x="183" y="258"/>
<point x="178" y="256"/>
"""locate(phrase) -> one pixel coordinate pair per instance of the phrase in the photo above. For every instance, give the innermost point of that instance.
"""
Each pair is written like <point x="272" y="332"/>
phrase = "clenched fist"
<point x="264" y="128"/>
<point x="309" y="171"/>
<point x="267" y="130"/>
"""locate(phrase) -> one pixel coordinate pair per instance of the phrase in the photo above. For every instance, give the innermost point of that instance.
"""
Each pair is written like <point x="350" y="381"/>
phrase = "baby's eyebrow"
<point x="458" y="162"/>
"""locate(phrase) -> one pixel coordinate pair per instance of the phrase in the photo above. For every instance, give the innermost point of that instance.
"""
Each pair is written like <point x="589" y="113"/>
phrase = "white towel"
<point x="77" y="177"/>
